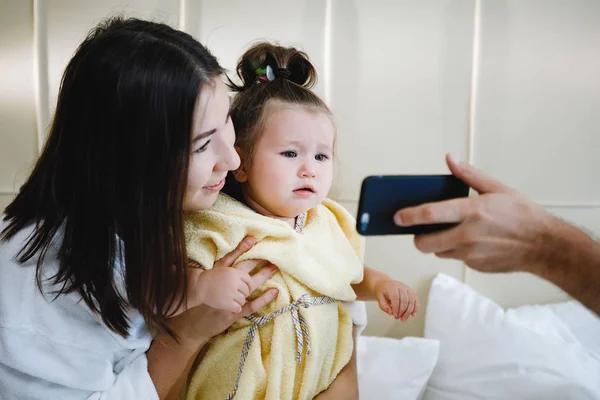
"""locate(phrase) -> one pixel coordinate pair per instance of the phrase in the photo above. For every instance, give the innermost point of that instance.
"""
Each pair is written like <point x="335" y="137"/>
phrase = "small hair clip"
<point x="265" y="74"/>
<point x="270" y="74"/>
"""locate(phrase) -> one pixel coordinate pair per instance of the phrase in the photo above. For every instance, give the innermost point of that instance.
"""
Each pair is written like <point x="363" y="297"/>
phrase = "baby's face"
<point x="292" y="167"/>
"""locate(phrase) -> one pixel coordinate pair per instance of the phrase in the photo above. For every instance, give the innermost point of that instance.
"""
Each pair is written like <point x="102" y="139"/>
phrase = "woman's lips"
<point x="216" y="187"/>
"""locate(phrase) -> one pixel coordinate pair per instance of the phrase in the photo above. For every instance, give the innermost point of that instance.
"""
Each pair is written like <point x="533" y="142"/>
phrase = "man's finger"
<point x="476" y="179"/>
<point x="257" y="304"/>
<point x="455" y="254"/>
<point x="444" y="212"/>
<point x="242" y="247"/>
<point x="439" y="242"/>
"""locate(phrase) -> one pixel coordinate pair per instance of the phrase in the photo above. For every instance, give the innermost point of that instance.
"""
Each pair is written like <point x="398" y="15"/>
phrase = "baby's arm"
<point x="224" y="288"/>
<point x="394" y="298"/>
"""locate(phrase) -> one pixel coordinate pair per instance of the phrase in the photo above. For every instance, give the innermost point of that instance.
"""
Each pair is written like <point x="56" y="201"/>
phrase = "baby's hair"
<point x="268" y="72"/>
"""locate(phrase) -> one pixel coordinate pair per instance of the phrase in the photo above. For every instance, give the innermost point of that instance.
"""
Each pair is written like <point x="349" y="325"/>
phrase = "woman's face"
<point x="212" y="152"/>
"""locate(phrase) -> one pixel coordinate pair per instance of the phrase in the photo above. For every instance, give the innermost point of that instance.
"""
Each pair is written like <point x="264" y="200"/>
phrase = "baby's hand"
<point x="397" y="299"/>
<point x="224" y="287"/>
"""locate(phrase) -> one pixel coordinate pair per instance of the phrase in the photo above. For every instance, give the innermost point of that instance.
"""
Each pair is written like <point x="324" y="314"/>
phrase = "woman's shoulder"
<point x="29" y="309"/>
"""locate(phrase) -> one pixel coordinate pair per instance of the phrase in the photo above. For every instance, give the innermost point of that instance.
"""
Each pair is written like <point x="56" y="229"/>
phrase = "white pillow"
<point x="394" y="369"/>
<point x="524" y="353"/>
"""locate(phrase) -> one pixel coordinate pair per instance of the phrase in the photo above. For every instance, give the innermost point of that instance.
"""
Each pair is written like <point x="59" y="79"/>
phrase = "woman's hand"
<point x="170" y="360"/>
<point x="200" y="321"/>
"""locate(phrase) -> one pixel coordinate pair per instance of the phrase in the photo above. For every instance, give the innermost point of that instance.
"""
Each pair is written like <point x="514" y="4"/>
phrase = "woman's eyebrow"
<point x="203" y="135"/>
<point x="208" y="133"/>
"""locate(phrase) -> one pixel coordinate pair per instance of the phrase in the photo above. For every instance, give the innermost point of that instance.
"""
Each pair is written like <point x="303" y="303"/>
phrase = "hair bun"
<point x="284" y="62"/>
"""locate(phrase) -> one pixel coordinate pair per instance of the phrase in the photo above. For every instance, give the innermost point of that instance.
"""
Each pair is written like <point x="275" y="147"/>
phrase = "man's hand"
<point x="498" y="231"/>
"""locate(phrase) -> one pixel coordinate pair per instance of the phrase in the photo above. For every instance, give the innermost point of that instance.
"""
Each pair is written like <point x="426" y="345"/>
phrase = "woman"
<point x="141" y="133"/>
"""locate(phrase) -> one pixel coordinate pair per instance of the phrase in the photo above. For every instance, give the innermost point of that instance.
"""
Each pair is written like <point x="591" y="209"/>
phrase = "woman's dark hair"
<point x="293" y="76"/>
<point x="111" y="178"/>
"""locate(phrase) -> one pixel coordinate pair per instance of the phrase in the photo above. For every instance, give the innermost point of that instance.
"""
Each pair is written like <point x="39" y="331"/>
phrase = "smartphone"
<point x="381" y="196"/>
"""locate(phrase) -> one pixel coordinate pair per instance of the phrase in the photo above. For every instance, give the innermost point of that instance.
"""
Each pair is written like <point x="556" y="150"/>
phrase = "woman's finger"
<point x="262" y="276"/>
<point x="242" y="247"/>
<point x="248" y="265"/>
<point x="257" y="304"/>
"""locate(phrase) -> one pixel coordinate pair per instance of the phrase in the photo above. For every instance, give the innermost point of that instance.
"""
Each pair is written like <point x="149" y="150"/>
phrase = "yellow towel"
<point x="300" y="342"/>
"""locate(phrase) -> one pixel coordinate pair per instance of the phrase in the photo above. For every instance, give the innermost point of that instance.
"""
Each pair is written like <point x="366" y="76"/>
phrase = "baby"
<point x="297" y="346"/>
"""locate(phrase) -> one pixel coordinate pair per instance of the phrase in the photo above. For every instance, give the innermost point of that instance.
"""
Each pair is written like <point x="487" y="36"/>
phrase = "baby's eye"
<point x="321" y="157"/>
<point x="289" y="154"/>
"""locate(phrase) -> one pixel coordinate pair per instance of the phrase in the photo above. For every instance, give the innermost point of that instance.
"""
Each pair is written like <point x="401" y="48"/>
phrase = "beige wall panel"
<point x="538" y="109"/>
<point x="400" y="86"/>
<point x="18" y="141"/>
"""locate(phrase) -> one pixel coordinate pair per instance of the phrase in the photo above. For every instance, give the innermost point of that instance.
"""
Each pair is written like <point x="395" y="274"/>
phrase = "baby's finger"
<point x="245" y="284"/>
<point x="240" y="299"/>
<point x="416" y="310"/>
<point x="395" y="302"/>
<point x="384" y="306"/>
<point x="233" y="307"/>
<point x="409" y="309"/>
<point x="403" y="305"/>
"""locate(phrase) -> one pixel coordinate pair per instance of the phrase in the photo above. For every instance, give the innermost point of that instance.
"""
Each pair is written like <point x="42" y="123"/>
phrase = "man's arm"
<point x="571" y="259"/>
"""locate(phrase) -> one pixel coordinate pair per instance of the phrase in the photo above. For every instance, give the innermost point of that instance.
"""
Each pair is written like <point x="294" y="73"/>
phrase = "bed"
<point x="472" y="348"/>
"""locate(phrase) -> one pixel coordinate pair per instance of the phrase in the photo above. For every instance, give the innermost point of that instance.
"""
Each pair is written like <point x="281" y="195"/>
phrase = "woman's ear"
<point x="240" y="174"/>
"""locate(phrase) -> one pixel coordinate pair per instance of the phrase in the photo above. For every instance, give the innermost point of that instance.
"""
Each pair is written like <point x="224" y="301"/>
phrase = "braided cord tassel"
<point x="300" y="327"/>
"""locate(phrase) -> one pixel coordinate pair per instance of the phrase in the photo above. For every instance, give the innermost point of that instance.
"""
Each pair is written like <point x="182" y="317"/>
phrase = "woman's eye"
<point x="321" y="157"/>
<point x="289" y="154"/>
<point x="203" y="148"/>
